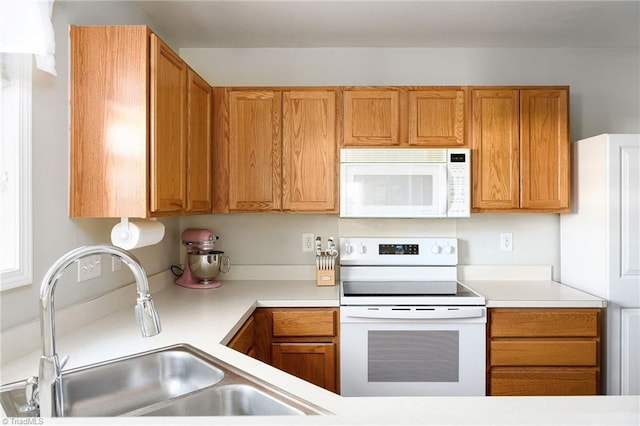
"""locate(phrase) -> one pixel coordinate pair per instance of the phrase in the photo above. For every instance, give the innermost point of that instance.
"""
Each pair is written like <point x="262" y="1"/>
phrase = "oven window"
<point x="413" y="356"/>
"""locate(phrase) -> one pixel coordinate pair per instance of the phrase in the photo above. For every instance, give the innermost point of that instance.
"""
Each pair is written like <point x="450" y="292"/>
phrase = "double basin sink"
<point x="178" y="380"/>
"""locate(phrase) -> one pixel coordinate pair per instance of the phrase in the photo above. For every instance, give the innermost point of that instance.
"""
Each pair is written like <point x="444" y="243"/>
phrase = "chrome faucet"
<point x="49" y="385"/>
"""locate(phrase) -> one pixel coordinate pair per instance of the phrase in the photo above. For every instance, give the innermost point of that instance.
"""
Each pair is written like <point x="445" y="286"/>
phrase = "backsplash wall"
<point x="276" y="239"/>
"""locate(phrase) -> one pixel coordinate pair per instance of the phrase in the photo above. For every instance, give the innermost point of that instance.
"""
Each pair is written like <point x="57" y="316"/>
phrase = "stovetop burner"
<point x="402" y="271"/>
<point x="399" y="288"/>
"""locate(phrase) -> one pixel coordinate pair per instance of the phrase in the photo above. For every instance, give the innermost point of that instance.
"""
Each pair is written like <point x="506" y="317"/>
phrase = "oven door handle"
<point x="417" y="313"/>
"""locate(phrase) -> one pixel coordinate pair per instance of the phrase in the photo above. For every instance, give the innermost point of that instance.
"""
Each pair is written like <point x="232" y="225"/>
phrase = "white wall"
<point x="53" y="232"/>
<point x="605" y="97"/>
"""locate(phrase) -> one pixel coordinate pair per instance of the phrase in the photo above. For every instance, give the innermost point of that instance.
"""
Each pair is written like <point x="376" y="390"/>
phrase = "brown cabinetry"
<point x="254" y="150"/>
<point x="139" y="121"/>
<point x="543" y="351"/>
<point x="372" y="117"/>
<point x="520" y="149"/>
<point x="244" y="340"/>
<point x="300" y="341"/>
<point x="405" y="116"/>
<point x="199" y="109"/>
<point x="168" y="129"/>
<point x="275" y="150"/>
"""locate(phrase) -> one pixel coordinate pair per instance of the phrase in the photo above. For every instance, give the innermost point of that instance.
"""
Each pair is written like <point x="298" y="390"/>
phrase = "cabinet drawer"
<point x="304" y="322"/>
<point x="541" y="381"/>
<point x="544" y="322"/>
<point x="530" y="352"/>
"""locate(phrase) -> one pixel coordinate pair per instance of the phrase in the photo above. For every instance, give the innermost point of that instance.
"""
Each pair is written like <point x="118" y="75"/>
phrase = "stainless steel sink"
<point x="228" y="400"/>
<point x="178" y="380"/>
<point x="123" y="385"/>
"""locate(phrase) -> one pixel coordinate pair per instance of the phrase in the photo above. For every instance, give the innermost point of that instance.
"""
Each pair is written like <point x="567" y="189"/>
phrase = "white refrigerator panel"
<point x="600" y="244"/>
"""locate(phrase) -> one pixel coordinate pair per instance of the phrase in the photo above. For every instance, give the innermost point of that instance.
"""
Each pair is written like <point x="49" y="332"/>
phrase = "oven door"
<point x="393" y="190"/>
<point x="412" y="351"/>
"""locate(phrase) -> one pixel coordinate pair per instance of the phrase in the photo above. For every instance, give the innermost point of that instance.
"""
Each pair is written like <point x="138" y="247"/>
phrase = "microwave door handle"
<point x="444" y="198"/>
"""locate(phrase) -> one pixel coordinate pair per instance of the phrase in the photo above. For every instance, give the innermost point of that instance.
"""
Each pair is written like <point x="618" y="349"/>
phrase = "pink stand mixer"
<point x="202" y="263"/>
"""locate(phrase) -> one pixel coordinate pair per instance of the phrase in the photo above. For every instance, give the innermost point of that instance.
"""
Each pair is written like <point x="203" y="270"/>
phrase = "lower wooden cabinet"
<point x="244" y="339"/>
<point x="300" y="341"/>
<point x="544" y="352"/>
<point x="313" y="362"/>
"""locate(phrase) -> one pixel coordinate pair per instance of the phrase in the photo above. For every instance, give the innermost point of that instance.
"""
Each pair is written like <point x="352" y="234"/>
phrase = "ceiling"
<point x="398" y="23"/>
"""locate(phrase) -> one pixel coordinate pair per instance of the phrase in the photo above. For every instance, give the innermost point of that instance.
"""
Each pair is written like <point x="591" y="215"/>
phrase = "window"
<point x="15" y="171"/>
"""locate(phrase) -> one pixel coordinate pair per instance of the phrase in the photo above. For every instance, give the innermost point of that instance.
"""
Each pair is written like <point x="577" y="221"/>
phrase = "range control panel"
<point x="421" y="251"/>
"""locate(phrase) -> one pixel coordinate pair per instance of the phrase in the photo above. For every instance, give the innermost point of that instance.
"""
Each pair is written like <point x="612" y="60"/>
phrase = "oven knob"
<point x="449" y="249"/>
<point x="435" y="249"/>
<point x="363" y="249"/>
<point x="348" y="248"/>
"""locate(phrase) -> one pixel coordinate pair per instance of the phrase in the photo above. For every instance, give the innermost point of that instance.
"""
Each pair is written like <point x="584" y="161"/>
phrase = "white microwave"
<point x="405" y="183"/>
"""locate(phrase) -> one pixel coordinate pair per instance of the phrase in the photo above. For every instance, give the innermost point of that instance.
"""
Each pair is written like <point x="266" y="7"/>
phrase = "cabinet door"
<point x="109" y="100"/>
<point x="309" y="160"/>
<point x="168" y="129"/>
<point x="436" y="117"/>
<point x="244" y="339"/>
<point x="313" y="362"/>
<point x="255" y="149"/>
<point x="544" y="149"/>
<point x="371" y="117"/>
<point x="198" y="144"/>
<point x="495" y="143"/>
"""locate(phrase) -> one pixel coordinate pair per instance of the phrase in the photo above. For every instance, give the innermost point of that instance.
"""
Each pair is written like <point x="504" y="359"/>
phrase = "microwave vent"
<point x="392" y="155"/>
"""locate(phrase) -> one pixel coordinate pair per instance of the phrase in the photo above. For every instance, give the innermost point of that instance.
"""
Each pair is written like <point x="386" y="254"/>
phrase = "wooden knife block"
<point x="325" y="277"/>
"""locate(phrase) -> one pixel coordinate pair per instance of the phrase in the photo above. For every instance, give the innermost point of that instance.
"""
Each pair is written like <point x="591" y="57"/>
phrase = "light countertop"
<point x="207" y="318"/>
<point x="532" y="294"/>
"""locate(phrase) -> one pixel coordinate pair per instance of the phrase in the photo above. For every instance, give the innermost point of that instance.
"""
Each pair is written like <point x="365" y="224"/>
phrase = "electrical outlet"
<point x="116" y="263"/>
<point x="89" y="267"/>
<point x="506" y="241"/>
<point x="308" y="242"/>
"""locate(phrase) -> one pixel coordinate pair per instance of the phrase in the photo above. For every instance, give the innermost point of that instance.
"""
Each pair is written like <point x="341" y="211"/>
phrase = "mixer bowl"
<point x="206" y="265"/>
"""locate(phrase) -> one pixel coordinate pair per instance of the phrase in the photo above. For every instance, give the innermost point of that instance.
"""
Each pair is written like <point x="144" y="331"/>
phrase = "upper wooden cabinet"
<point x="139" y="127"/>
<point x="372" y="117"/>
<point x="255" y="148"/>
<point x="309" y="151"/>
<point x="437" y="117"/>
<point x="275" y="150"/>
<point x="199" y="174"/>
<point x="405" y="116"/>
<point x="520" y="149"/>
<point x="168" y="129"/>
